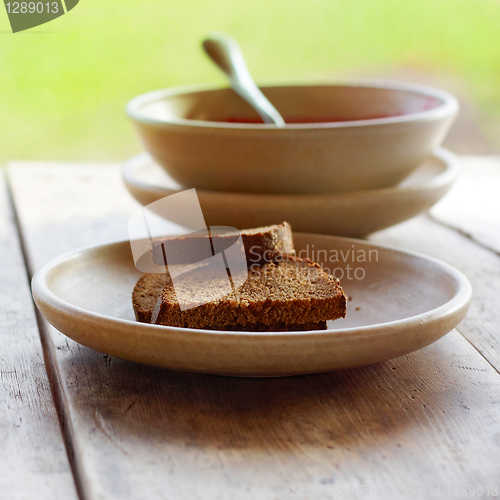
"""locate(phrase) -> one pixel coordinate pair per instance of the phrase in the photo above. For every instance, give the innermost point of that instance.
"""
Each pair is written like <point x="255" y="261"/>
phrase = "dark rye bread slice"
<point x="261" y="244"/>
<point x="287" y="290"/>
<point x="148" y="289"/>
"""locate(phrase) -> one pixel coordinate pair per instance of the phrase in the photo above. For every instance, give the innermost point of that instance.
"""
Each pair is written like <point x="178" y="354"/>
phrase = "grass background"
<point x="64" y="85"/>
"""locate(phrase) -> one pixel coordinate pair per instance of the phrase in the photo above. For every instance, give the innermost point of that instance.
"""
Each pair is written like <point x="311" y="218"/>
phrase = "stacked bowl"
<point x="354" y="157"/>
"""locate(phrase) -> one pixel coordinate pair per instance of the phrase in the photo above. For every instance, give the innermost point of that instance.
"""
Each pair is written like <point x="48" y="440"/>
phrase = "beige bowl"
<point x="346" y="214"/>
<point x="382" y="132"/>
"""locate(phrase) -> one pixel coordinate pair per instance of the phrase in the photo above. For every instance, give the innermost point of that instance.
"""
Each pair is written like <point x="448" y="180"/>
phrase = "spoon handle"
<point x="225" y="52"/>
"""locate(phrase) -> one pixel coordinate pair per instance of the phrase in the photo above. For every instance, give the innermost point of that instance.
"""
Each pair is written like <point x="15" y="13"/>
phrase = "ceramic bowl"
<point x="346" y="214"/>
<point x="342" y="137"/>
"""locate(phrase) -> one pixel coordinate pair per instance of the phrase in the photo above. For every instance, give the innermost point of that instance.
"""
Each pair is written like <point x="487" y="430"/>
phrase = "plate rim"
<point x="458" y="304"/>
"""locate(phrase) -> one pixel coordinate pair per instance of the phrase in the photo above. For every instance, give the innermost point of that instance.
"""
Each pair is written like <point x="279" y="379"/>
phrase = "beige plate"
<point x="401" y="302"/>
<point x="347" y="214"/>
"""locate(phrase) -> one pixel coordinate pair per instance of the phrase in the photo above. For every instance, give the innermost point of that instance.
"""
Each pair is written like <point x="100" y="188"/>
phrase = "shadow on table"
<point x="132" y="402"/>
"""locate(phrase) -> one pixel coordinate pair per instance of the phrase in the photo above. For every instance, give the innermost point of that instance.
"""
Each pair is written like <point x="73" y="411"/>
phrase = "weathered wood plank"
<point x="33" y="459"/>
<point x="473" y="204"/>
<point x="429" y="419"/>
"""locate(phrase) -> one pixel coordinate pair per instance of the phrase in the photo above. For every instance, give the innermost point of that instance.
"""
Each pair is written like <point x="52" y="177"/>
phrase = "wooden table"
<point x="79" y="424"/>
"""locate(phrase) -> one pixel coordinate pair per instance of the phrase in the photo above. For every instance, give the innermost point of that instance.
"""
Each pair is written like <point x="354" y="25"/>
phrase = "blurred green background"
<point x="64" y="85"/>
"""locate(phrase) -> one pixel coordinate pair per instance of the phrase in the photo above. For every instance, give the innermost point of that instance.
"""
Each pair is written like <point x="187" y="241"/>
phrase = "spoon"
<point x="225" y="52"/>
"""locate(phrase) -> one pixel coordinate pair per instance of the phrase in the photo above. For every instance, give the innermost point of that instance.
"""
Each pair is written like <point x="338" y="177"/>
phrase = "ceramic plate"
<point x="347" y="214"/>
<point x="400" y="302"/>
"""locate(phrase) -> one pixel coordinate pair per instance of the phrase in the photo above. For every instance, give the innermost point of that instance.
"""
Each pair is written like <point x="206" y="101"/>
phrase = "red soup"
<point x="296" y="120"/>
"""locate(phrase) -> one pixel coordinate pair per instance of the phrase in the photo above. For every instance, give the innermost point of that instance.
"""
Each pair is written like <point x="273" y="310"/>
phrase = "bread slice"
<point x="148" y="289"/>
<point x="261" y="244"/>
<point x="287" y="291"/>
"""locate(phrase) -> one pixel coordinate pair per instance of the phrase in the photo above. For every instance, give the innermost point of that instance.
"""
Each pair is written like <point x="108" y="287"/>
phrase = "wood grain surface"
<point x="418" y="426"/>
<point x="473" y="204"/>
<point x="33" y="459"/>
